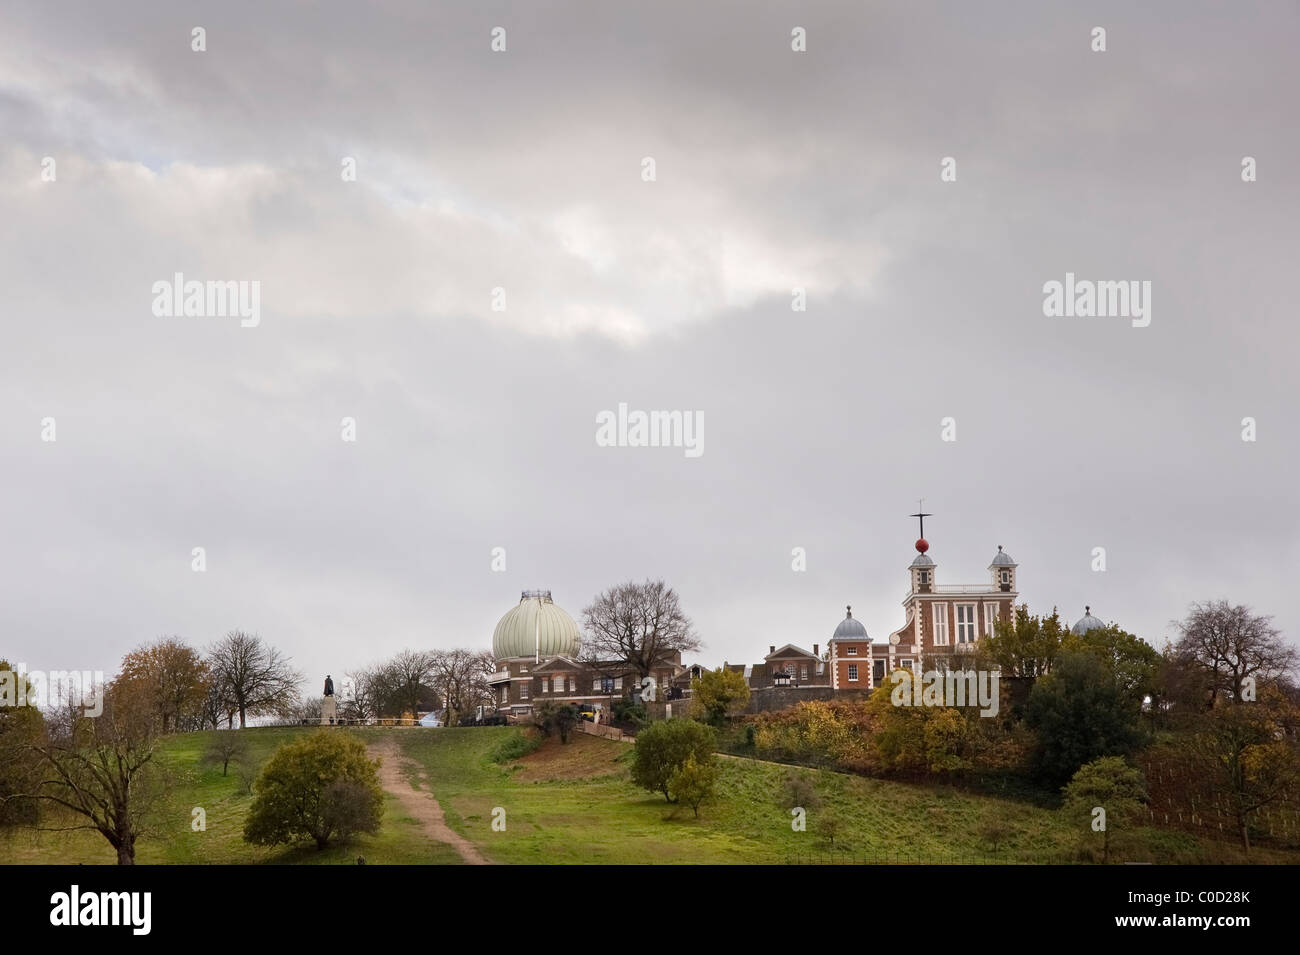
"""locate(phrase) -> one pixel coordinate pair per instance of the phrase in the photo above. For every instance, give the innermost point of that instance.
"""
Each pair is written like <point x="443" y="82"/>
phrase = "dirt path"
<point x="419" y="804"/>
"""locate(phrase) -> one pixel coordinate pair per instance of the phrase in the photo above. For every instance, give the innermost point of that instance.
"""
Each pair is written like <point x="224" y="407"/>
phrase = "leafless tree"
<point x="1229" y="644"/>
<point x="460" y="681"/>
<point x="641" y="625"/>
<point x="255" y="677"/>
<point x="409" y="676"/>
<point x="101" y="770"/>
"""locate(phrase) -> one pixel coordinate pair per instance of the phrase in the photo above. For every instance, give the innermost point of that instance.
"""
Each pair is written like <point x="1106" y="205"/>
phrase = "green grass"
<point x="592" y="813"/>
<point x="170" y="838"/>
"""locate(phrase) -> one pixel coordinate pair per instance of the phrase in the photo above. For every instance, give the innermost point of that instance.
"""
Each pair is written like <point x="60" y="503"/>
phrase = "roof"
<point x="1087" y="622"/>
<point x="850" y="629"/>
<point x="1002" y="559"/>
<point x="798" y="651"/>
<point x="920" y="560"/>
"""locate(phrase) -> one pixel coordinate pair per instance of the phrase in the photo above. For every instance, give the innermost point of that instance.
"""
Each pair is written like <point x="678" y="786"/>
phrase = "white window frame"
<point x="990" y="618"/>
<point x="853" y="673"/>
<point x="966" y="628"/>
<point x="939" y="621"/>
<point x="851" y="651"/>
<point x="1005" y="577"/>
<point x="523" y="691"/>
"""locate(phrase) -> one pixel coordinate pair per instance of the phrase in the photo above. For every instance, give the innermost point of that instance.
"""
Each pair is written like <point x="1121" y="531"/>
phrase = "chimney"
<point x="771" y="650"/>
<point x="815" y="651"/>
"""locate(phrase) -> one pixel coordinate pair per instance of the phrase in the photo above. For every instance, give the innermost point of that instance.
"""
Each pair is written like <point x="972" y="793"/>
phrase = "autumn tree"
<point x="638" y="625"/>
<point x="1248" y="756"/>
<point x="694" y="781"/>
<point x="255" y="677"/>
<point x="718" y="694"/>
<point x="172" y="676"/>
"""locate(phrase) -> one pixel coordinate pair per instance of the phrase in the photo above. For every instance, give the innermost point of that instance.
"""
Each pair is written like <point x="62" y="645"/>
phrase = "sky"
<point x="524" y="170"/>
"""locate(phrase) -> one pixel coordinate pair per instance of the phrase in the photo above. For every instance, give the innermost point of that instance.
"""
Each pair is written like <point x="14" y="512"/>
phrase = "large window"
<point x="990" y="617"/>
<point x="559" y="684"/>
<point x="523" y="691"/>
<point x="853" y="673"/>
<point x="803" y="672"/>
<point x="940" y="612"/>
<point x="965" y="623"/>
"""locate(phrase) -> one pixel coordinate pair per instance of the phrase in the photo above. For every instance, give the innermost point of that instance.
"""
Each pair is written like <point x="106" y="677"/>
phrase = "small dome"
<point x="850" y="629"/>
<point x="535" y="626"/>
<point x="1087" y="622"/>
<point x="921" y="561"/>
<point x="1002" y="559"/>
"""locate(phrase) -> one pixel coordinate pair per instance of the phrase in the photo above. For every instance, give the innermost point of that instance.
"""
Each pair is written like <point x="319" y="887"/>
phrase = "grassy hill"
<point x="574" y="803"/>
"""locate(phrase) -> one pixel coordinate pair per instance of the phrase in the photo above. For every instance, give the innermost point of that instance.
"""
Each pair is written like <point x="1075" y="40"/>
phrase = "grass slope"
<point x="575" y="804"/>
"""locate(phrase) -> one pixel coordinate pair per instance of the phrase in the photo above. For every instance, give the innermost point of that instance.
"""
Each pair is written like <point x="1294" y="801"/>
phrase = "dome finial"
<point x="849" y="608"/>
<point x="1087" y="610"/>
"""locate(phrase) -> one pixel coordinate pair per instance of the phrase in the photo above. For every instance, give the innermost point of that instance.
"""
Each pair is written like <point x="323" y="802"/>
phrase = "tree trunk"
<point x="243" y="716"/>
<point x="126" y="852"/>
<point x="1245" y="832"/>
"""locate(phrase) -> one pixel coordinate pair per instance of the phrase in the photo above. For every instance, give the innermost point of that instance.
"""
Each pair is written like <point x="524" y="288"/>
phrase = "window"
<point x="907" y="664"/>
<point x="853" y="673"/>
<point x="940" y="624"/>
<point x="523" y="691"/>
<point x="559" y="684"/>
<point x="803" y="672"/>
<point x="543" y="688"/>
<point x="878" y="671"/>
<point x="990" y="616"/>
<point x="924" y="576"/>
<point x="851" y="652"/>
<point x="618" y="683"/>
<point x="573" y="684"/>
<point x="1006" y="576"/>
<point x="607" y="685"/>
<point x="965" y="623"/>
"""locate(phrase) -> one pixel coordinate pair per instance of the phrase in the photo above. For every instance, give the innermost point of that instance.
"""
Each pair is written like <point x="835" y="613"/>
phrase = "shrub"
<point x="319" y="787"/>
<point x="663" y="748"/>
<point x="516" y="746"/>
<point x="693" y="781"/>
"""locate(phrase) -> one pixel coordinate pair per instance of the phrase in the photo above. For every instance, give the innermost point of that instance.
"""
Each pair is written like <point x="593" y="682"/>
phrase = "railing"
<point x="957" y="589"/>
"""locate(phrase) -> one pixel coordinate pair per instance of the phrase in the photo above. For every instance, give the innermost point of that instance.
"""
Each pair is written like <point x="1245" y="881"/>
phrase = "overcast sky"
<point x="523" y="170"/>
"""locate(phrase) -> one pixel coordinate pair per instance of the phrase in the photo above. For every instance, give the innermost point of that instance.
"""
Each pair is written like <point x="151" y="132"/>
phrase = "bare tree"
<point x="460" y="681"/>
<point x="255" y="677"/>
<point x="1230" y="644"/>
<point x="410" y="676"/>
<point x="101" y="770"/>
<point x="360" y="695"/>
<point x="641" y="625"/>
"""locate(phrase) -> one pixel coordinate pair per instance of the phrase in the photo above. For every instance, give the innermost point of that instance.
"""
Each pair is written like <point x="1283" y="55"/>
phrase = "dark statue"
<point x="329" y="686"/>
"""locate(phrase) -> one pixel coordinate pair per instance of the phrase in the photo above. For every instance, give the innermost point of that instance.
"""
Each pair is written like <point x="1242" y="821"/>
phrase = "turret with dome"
<point x="1087" y="622"/>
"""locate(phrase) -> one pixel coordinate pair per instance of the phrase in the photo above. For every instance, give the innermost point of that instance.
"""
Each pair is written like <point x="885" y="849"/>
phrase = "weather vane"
<point x="920" y="513"/>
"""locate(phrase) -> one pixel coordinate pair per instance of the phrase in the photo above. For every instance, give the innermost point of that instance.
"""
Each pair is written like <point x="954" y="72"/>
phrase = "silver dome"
<point x="850" y="629"/>
<point x="921" y="561"/>
<point x="1087" y="622"/>
<point x="1002" y="559"/>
